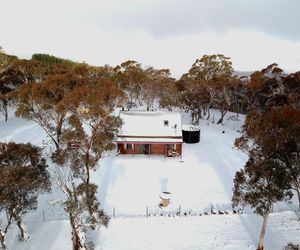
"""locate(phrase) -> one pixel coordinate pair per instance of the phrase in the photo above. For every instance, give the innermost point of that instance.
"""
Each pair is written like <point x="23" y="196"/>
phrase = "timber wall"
<point x="155" y="149"/>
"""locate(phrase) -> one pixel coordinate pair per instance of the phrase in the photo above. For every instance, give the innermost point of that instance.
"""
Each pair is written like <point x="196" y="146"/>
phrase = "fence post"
<point x="43" y="215"/>
<point x="114" y="213"/>
<point x="147" y="211"/>
<point x="179" y="211"/>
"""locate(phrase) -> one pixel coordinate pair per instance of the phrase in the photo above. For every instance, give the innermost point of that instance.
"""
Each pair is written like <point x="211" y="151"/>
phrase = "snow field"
<point x="129" y="184"/>
<point x="229" y="232"/>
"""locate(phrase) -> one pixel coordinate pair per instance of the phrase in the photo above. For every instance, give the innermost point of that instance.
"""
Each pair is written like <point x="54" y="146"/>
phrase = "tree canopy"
<point x="24" y="176"/>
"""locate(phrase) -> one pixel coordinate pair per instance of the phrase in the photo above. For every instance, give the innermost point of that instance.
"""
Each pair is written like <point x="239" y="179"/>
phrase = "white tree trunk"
<point x="298" y="195"/>
<point x="263" y="232"/>
<point x="23" y="233"/>
<point x="76" y="240"/>
<point x="2" y="240"/>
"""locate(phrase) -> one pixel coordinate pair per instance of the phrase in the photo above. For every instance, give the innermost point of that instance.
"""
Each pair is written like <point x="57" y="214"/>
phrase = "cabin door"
<point x="145" y="149"/>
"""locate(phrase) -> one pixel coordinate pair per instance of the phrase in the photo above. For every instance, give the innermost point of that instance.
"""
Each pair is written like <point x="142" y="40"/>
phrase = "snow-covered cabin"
<point x="150" y="132"/>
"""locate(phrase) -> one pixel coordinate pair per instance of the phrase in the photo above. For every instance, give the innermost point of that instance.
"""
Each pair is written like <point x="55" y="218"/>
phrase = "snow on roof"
<point x="150" y="124"/>
<point x="165" y="195"/>
<point x="190" y="128"/>
<point x="140" y="140"/>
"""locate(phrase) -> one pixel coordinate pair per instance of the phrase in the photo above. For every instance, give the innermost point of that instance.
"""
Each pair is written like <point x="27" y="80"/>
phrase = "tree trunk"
<point x="223" y="113"/>
<point x="87" y="169"/>
<point x="3" y="233"/>
<point x="87" y="181"/>
<point x="58" y="133"/>
<point x="208" y="113"/>
<point x="199" y="112"/>
<point x="5" y="104"/>
<point x="2" y="240"/>
<point x="298" y="194"/>
<point x="130" y="104"/>
<point x="77" y="244"/>
<point x="237" y="110"/>
<point x="4" y="108"/>
<point x="22" y="232"/>
<point x="193" y="116"/>
<point x="5" y="111"/>
<point x="41" y="124"/>
<point x="40" y="121"/>
<point x="263" y="232"/>
<point x="56" y="146"/>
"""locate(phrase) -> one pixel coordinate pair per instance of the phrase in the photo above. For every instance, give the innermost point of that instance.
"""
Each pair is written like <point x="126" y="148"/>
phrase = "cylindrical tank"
<point x="190" y="134"/>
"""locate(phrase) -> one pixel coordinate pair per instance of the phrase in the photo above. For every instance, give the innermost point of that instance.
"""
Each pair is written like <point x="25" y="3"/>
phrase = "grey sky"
<point x="161" y="33"/>
<point x="176" y="17"/>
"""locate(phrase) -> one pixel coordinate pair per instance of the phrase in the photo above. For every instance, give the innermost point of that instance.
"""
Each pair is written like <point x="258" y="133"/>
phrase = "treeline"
<point x="210" y="83"/>
<point x="50" y="59"/>
<point x="73" y="103"/>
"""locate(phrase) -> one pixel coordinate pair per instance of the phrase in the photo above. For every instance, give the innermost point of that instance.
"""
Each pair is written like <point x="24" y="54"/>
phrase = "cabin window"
<point x="129" y="146"/>
<point x="171" y="146"/>
<point x="166" y="123"/>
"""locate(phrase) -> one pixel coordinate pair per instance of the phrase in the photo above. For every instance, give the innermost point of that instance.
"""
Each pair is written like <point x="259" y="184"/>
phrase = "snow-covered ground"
<point x="129" y="184"/>
<point x="219" y="232"/>
<point x="202" y="178"/>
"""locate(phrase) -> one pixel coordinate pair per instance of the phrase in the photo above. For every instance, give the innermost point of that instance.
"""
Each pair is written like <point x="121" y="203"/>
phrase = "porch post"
<point x="181" y="150"/>
<point x="133" y="149"/>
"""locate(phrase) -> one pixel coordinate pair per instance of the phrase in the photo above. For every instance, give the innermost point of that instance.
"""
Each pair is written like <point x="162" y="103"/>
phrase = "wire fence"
<point x="150" y="211"/>
<point x="57" y="213"/>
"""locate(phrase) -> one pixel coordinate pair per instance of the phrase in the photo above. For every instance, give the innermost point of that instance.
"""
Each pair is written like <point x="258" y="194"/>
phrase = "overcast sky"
<point x="161" y="33"/>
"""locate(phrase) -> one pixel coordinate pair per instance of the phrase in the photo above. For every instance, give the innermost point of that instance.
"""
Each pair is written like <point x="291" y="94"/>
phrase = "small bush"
<point x="291" y="246"/>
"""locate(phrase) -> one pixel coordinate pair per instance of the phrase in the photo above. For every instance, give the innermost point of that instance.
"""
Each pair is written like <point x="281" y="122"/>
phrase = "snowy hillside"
<point x="129" y="186"/>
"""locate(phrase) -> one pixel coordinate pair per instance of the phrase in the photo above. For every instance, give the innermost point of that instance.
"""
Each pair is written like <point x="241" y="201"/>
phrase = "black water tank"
<point x="190" y="134"/>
